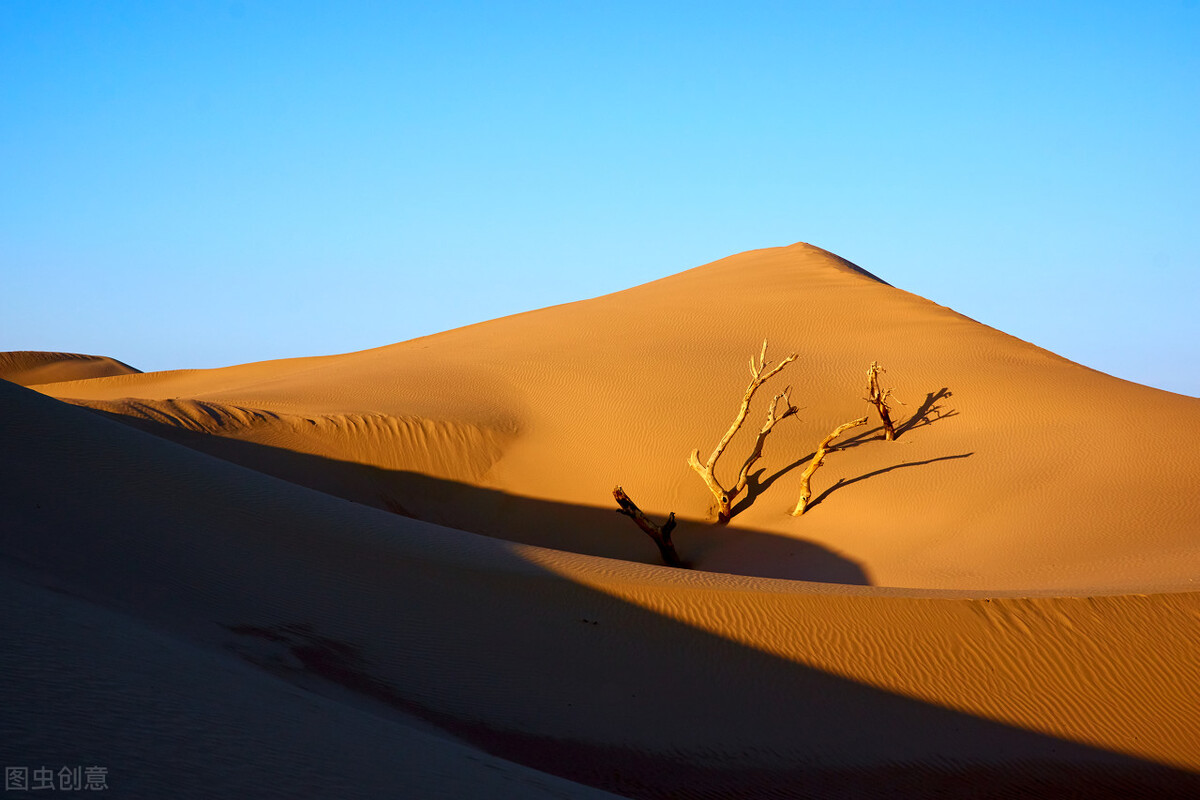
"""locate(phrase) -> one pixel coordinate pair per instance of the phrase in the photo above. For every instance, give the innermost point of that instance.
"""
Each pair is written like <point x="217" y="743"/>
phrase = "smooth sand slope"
<point x="1042" y="517"/>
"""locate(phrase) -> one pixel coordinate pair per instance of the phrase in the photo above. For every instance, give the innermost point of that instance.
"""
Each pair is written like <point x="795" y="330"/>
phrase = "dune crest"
<point x="28" y="368"/>
<point x="310" y="450"/>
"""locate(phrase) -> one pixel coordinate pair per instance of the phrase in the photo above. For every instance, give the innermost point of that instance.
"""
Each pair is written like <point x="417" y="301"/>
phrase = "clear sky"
<point x="203" y="184"/>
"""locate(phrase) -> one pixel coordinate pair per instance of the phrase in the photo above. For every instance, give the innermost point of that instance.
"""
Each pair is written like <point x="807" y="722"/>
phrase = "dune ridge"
<point x="28" y="368"/>
<point x="1023" y="622"/>
<point x="444" y="449"/>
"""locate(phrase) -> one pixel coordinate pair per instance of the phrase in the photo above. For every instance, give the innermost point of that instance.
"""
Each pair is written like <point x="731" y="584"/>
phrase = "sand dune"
<point x="29" y="368"/>
<point x="1000" y="602"/>
<point x="1033" y="473"/>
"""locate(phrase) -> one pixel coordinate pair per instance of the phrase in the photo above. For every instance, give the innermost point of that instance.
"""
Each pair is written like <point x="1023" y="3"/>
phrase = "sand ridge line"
<point x="27" y="368"/>
<point x="441" y="448"/>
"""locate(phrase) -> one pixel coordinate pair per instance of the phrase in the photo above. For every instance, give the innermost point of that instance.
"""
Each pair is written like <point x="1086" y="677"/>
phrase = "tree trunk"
<point x="660" y="535"/>
<point x="879" y="398"/>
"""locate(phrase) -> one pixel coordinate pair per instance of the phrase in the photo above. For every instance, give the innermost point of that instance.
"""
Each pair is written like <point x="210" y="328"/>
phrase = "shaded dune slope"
<point x="169" y="717"/>
<point x="646" y="681"/>
<point x="1015" y="468"/>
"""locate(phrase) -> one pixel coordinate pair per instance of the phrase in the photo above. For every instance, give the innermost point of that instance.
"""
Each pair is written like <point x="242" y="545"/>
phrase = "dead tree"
<point x="879" y="398"/>
<point x="760" y="373"/>
<point x="818" y="457"/>
<point x="660" y="534"/>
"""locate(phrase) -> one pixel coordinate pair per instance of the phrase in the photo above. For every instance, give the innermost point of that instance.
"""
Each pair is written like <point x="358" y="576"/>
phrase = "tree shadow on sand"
<point x="841" y="482"/>
<point x="929" y="412"/>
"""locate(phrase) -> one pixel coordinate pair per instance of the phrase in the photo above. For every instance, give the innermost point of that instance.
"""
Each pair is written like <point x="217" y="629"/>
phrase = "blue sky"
<point x="203" y="184"/>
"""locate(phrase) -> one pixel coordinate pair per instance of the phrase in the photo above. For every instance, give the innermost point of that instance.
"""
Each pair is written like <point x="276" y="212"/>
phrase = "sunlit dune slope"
<point x="644" y="680"/>
<point x="28" y="368"/>
<point x="1015" y="469"/>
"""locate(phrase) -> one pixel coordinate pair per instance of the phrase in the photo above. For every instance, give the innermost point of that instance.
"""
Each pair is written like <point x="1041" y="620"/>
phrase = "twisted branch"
<point x="660" y="535"/>
<point x="760" y="373"/>
<point x="772" y="421"/>
<point x="818" y="457"/>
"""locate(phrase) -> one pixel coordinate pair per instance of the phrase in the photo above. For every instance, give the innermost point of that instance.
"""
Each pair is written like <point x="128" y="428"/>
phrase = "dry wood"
<point x="818" y="457"/>
<point x="760" y="373"/>
<point x="879" y="398"/>
<point x="772" y="421"/>
<point x="660" y="535"/>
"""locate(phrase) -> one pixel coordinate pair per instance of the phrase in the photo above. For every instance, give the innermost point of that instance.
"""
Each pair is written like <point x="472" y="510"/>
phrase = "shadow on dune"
<point x="843" y="482"/>
<point x="544" y="523"/>
<point x="562" y="526"/>
<point x="525" y="663"/>
<point x="929" y="412"/>
<point x="860" y="741"/>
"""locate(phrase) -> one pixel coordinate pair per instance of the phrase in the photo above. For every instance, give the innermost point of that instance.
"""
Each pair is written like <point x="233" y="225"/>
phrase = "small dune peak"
<point x="835" y="259"/>
<point x="794" y="265"/>
<point x="30" y="367"/>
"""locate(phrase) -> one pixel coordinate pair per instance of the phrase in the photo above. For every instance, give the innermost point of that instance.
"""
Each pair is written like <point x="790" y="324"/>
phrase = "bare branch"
<point x="879" y="398"/>
<point x="710" y="480"/>
<point x="660" y="535"/>
<point x="818" y="457"/>
<point x="772" y="421"/>
<point x="758" y="379"/>
<point x="760" y="373"/>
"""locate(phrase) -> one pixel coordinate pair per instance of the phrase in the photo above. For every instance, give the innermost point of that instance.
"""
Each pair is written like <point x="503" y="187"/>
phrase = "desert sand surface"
<point x="398" y="572"/>
<point x="26" y="368"/>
